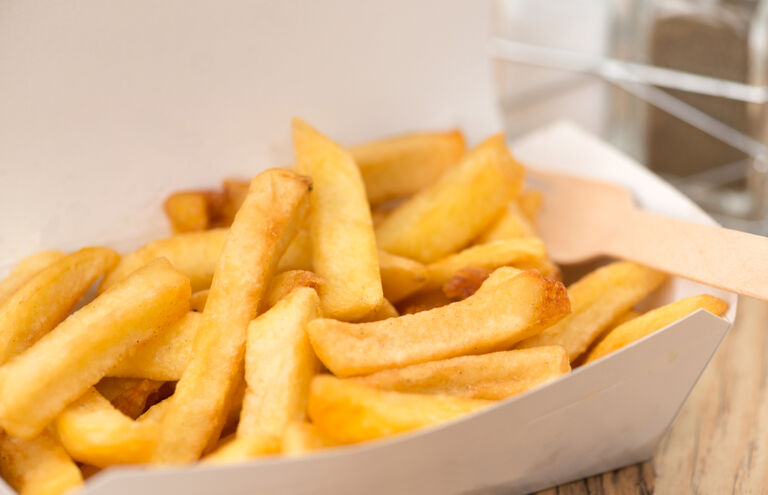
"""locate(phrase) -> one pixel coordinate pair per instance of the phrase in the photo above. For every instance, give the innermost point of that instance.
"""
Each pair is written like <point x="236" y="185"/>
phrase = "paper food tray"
<point x="107" y="106"/>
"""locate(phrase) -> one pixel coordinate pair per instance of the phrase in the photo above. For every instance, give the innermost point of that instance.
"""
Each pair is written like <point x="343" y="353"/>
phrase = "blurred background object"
<point x="681" y="86"/>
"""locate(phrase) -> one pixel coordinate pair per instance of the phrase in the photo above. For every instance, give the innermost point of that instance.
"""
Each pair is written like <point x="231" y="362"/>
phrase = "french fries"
<point x="512" y="224"/>
<point x="492" y="376"/>
<point x="133" y="400"/>
<point x="279" y="364"/>
<point x="286" y="282"/>
<point x="93" y="431"/>
<point x="351" y="412"/>
<point x="239" y="449"/>
<point x="301" y="437"/>
<point x="509" y="307"/>
<point x="25" y="270"/>
<point x="47" y="298"/>
<point x="400" y="277"/>
<point x="164" y="356"/>
<point x="384" y="311"/>
<point x="298" y="256"/>
<point x="343" y="242"/>
<point x="465" y="282"/>
<point x="265" y="224"/>
<point x="193" y="254"/>
<point x="38" y="466"/>
<point x="187" y="211"/>
<point x="446" y="216"/>
<point x="197" y="300"/>
<point x="404" y="165"/>
<point x="38" y="384"/>
<point x="598" y="299"/>
<point x="656" y="319"/>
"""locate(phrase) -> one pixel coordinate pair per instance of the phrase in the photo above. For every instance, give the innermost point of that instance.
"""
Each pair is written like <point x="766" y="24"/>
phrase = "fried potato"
<point x="446" y="216"/>
<point x="511" y="252"/>
<point x="25" y="270"/>
<point x="198" y="300"/>
<point x="279" y="364"/>
<point x="164" y="356"/>
<point x="93" y="431"/>
<point x="234" y="193"/>
<point x="133" y="400"/>
<point x="111" y="388"/>
<point x="400" y="276"/>
<point x="465" y="282"/>
<point x="343" y="242"/>
<point x="350" y="412"/>
<point x="509" y="307"/>
<point x="384" y="311"/>
<point x="265" y="224"/>
<point x="512" y="224"/>
<point x="624" y="317"/>
<point x="39" y="466"/>
<point x="530" y="204"/>
<point x="301" y="437"/>
<point x="404" y="165"/>
<point x="38" y="384"/>
<point x="298" y="256"/>
<point x="193" y="254"/>
<point x="422" y="301"/>
<point x="286" y="282"/>
<point x="654" y="320"/>
<point x="598" y="299"/>
<point x="492" y="376"/>
<point x="240" y="449"/>
<point x="47" y="298"/>
<point x="187" y="211"/>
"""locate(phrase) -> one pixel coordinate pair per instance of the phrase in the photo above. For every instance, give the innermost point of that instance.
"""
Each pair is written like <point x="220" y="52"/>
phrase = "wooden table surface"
<point x="719" y="442"/>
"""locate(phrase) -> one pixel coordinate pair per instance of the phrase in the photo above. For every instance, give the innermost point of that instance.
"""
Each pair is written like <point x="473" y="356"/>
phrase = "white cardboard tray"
<point x="106" y="106"/>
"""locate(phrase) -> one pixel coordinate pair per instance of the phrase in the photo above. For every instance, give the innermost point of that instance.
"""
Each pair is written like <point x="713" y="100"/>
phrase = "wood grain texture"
<point x="719" y="442"/>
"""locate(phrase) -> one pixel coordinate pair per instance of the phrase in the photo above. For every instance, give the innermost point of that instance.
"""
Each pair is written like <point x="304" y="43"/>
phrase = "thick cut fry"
<point x="400" y="276"/>
<point x="47" y="298"/>
<point x="263" y="227"/>
<point x="298" y="256"/>
<point x="465" y="283"/>
<point x="350" y="412"/>
<point x="404" y="165"/>
<point x="240" y="449"/>
<point x="301" y="437"/>
<point x="133" y="401"/>
<point x="512" y="224"/>
<point x="93" y="431"/>
<point x="164" y="356"/>
<point x="25" y="270"/>
<point x="598" y="299"/>
<point x="38" y="384"/>
<point x="492" y="376"/>
<point x="511" y="252"/>
<point x="39" y="466"/>
<point x="654" y="320"/>
<point x="193" y="254"/>
<point x="187" y="211"/>
<point x="198" y="300"/>
<point x="343" y="242"/>
<point x="286" y="282"/>
<point x="422" y="301"/>
<point x="624" y="317"/>
<point x="234" y="193"/>
<point x="449" y="214"/>
<point x="279" y="364"/>
<point x="509" y="307"/>
<point x="384" y="311"/>
<point x="530" y="204"/>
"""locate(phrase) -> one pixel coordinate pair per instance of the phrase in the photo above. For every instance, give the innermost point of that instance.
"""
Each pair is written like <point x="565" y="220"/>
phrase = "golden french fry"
<point x="400" y="276"/>
<point x="384" y="311"/>
<point x="403" y="165"/>
<point x="240" y="449"/>
<point x="25" y="270"/>
<point x="465" y="282"/>
<point x="286" y="282"/>
<point x="93" y="431"/>
<point x="350" y="412"/>
<point x="510" y="252"/>
<point x="630" y="314"/>
<point x="111" y="388"/>
<point x="301" y="437"/>
<point x="530" y="204"/>
<point x="654" y="320"/>
<point x="509" y="307"/>
<point x="491" y="376"/>
<point x="193" y="254"/>
<point x="198" y="300"/>
<point x="234" y="193"/>
<point x="38" y="384"/>
<point x="446" y="216"/>
<point x="343" y="242"/>
<point x="39" y="466"/>
<point x="512" y="224"/>
<point x="279" y="364"/>
<point x="47" y="298"/>
<point x="263" y="227"/>
<point x="422" y="301"/>
<point x="164" y="356"/>
<point x="187" y="211"/>
<point x="133" y="401"/>
<point x="598" y="299"/>
<point x="298" y="256"/>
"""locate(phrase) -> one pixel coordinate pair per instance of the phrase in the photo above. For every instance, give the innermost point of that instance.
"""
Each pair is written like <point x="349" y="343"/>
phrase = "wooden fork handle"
<point x="723" y="258"/>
